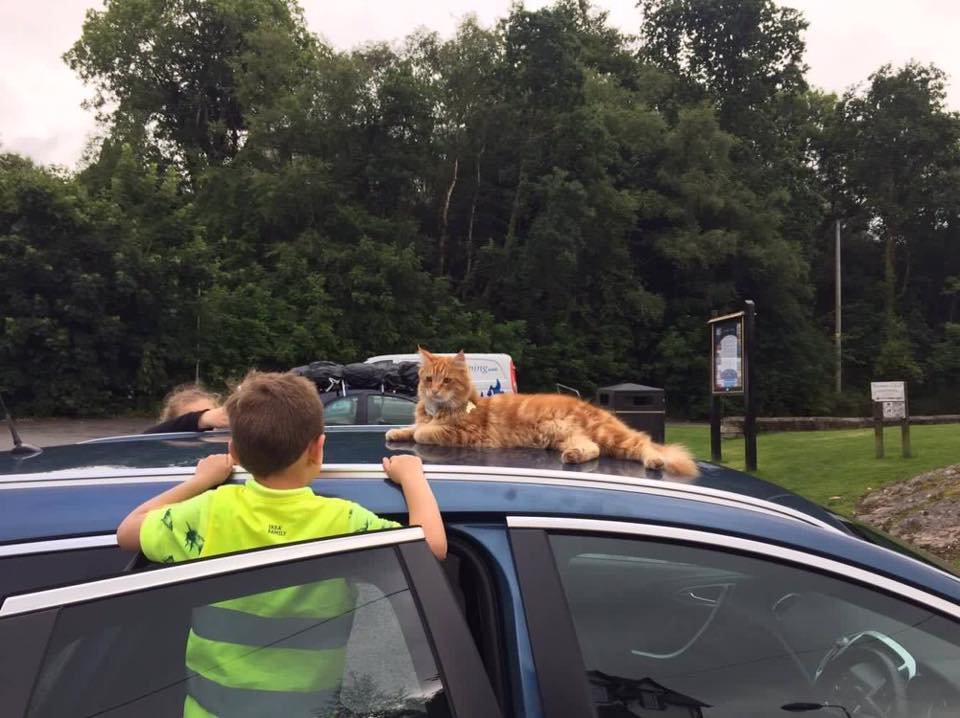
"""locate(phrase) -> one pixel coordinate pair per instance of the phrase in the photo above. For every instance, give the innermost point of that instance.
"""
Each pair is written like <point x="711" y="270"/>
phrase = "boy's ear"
<point x="232" y="451"/>
<point x="316" y="448"/>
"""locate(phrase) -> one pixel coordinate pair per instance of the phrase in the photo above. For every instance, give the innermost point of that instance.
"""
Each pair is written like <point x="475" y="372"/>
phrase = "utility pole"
<point x="839" y="333"/>
<point x="196" y="373"/>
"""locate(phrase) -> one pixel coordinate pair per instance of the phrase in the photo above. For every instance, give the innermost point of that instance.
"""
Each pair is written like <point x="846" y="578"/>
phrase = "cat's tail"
<point x="617" y="439"/>
<point x="677" y="460"/>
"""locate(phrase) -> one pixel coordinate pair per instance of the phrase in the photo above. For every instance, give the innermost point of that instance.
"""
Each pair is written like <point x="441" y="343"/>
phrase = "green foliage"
<point x="833" y="468"/>
<point x="545" y="187"/>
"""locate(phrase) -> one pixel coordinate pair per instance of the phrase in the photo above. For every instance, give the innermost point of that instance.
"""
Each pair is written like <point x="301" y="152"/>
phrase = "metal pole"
<point x="196" y="371"/>
<point x="839" y="305"/>
<point x="750" y="415"/>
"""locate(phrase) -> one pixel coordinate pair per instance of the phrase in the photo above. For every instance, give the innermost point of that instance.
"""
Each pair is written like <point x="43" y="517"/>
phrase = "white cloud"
<point x="40" y="97"/>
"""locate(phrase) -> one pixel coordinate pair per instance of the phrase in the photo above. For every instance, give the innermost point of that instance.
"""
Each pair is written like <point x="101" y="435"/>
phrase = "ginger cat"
<point x="450" y="412"/>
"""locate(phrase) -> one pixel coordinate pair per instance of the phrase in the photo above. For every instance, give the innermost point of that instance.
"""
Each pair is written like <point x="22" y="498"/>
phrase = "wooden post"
<point x="750" y="413"/>
<point x="905" y="425"/>
<point x="716" y="417"/>
<point x="878" y="427"/>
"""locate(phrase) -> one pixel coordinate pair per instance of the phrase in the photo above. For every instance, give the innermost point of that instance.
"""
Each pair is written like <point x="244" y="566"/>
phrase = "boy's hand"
<point x="213" y="470"/>
<point x="403" y="467"/>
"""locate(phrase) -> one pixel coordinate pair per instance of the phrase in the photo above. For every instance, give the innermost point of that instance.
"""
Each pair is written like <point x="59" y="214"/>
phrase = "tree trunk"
<point x="473" y="214"/>
<point x="514" y="211"/>
<point x="444" y="233"/>
<point x="890" y="275"/>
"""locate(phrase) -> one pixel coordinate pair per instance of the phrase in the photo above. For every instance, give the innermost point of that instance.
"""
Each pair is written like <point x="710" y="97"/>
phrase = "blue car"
<point x="598" y="590"/>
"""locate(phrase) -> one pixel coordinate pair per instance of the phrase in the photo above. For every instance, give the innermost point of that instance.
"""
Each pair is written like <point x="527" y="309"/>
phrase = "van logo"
<point x="495" y="389"/>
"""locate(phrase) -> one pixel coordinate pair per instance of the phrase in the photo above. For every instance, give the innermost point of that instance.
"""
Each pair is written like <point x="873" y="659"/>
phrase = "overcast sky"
<point x="41" y="116"/>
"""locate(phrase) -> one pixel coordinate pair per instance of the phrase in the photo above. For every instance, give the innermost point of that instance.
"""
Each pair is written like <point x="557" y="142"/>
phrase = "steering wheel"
<point x="867" y="674"/>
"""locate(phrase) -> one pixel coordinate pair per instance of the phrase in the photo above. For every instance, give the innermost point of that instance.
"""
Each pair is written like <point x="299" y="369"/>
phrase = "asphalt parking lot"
<point x="51" y="432"/>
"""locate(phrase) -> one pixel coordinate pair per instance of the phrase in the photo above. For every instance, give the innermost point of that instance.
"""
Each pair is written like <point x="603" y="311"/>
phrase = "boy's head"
<point x="276" y="421"/>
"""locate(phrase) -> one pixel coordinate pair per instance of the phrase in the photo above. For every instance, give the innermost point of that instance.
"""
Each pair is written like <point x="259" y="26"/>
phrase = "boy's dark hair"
<point x="273" y="417"/>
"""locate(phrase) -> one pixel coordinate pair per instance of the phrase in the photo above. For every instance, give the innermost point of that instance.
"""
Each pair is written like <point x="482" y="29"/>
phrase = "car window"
<point x="31" y="571"/>
<point x="389" y="410"/>
<point x="341" y="411"/>
<point x="705" y="633"/>
<point x="330" y="636"/>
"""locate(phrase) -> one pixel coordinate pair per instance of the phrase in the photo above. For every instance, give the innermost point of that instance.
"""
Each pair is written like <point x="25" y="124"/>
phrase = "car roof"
<point x="366" y="445"/>
<point x="86" y="489"/>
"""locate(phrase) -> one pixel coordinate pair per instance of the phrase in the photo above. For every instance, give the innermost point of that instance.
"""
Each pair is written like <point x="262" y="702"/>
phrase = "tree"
<point x="896" y="158"/>
<point x="191" y="73"/>
<point x="96" y="289"/>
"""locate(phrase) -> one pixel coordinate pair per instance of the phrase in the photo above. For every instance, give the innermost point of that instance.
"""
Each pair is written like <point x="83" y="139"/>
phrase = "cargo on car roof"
<point x="491" y="373"/>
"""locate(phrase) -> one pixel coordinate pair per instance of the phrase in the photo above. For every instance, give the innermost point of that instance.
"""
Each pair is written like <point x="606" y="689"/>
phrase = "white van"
<point x="491" y="373"/>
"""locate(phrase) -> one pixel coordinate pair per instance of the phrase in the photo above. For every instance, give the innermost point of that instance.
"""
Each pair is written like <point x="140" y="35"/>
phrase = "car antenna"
<point x="19" y="448"/>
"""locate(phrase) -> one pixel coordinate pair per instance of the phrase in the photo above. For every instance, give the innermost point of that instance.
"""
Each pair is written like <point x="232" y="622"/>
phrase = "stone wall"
<point x="732" y="426"/>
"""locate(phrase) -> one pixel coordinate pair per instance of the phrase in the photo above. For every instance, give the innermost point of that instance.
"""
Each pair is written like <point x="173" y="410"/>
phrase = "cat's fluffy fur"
<point x="450" y="412"/>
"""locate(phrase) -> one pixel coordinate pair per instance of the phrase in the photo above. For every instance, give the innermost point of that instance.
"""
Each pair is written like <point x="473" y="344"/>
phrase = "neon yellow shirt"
<point x="259" y="516"/>
<point x="228" y="674"/>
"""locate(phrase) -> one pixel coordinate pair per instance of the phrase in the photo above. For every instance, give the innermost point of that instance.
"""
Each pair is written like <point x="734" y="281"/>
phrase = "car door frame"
<point x="34" y="555"/>
<point x="561" y="671"/>
<point x="27" y="620"/>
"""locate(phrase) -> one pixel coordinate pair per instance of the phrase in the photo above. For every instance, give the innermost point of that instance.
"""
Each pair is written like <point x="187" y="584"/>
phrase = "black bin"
<point x="641" y="407"/>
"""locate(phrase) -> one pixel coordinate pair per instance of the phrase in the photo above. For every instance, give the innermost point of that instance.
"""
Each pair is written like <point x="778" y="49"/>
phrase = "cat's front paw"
<point x="405" y="434"/>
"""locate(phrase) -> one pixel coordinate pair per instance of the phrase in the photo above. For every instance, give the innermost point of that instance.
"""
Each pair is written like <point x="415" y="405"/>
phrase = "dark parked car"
<point x="595" y="590"/>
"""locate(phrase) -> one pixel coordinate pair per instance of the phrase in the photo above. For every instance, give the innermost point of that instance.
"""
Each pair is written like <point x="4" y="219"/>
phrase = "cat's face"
<point x="444" y="382"/>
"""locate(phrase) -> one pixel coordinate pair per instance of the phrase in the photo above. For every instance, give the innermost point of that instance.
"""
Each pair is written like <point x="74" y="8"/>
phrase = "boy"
<point x="277" y="430"/>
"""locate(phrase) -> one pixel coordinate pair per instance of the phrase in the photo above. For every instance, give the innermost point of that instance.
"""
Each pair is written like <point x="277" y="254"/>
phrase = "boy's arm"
<point x="211" y="471"/>
<point x="407" y="471"/>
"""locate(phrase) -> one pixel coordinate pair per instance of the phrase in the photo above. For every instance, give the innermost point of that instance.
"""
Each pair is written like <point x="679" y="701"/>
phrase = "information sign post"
<point x="890" y="404"/>
<point x="731" y="374"/>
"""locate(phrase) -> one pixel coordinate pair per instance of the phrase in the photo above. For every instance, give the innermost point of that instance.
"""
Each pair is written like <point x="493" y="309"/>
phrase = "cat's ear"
<point x="460" y="357"/>
<point x="427" y="356"/>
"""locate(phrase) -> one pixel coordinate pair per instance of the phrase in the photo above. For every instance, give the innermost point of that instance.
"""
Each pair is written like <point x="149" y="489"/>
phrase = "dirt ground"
<point x="924" y="511"/>
<point x="51" y="432"/>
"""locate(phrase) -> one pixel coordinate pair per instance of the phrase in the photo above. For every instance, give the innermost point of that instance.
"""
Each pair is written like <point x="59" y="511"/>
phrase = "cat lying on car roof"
<point x="450" y="412"/>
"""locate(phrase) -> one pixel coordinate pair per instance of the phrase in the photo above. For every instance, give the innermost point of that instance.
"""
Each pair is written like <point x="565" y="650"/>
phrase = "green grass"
<point x="833" y="468"/>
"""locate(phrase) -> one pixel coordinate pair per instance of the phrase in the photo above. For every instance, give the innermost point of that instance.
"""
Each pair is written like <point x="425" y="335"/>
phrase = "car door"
<point x="117" y="646"/>
<point x="29" y="565"/>
<point x="643" y="620"/>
